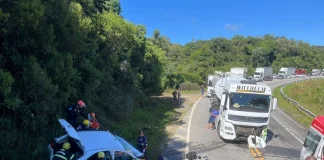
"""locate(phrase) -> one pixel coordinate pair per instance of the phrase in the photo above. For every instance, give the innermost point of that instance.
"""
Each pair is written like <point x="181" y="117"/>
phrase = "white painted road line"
<point x="288" y="130"/>
<point x="189" y="125"/>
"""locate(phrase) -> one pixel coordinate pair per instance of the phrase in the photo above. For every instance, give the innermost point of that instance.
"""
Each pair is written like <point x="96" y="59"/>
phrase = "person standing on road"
<point x="213" y="115"/>
<point x="74" y="111"/>
<point x="202" y="90"/>
<point x="179" y="96"/>
<point x="142" y="144"/>
<point x="174" y="94"/>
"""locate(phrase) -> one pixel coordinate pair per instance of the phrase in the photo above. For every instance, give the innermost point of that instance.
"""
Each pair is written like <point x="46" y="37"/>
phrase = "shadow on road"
<point x="177" y="154"/>
<point x="280" y="152"/>
<point x="270" y="135"/>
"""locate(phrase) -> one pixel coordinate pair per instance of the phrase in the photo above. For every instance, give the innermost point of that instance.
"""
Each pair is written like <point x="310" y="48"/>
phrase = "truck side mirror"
<point x="223" y="99"/>
<point x="274" y="103"/>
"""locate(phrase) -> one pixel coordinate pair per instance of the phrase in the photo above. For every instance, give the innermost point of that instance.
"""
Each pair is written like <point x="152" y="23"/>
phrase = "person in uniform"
<point x="74" y="111"/>
<point x="64" y="153"/>
<point x="142" y="144"/>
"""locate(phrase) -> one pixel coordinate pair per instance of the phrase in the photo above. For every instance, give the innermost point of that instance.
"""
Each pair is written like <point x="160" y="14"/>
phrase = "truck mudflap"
<point x="256" y="142"/>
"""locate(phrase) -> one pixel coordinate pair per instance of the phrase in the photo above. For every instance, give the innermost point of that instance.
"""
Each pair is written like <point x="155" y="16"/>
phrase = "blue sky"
<point x="182" y="20"/>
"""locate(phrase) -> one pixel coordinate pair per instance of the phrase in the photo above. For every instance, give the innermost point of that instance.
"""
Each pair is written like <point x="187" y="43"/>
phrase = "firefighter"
<point x="74" y="111"/>
<point x="101" y="156"/>
<point x="64" y="153"/>
<point x="85" y="126"/>
<point x="94" y="121"/>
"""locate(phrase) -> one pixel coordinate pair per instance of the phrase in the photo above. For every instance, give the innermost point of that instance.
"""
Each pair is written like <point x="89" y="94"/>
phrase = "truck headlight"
<point x="228" y="128"/>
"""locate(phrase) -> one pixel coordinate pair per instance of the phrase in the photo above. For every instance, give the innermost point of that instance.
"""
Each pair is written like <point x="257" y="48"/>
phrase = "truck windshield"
<point x="250" y="102"/>
<point x="257" y="73"/>
<point x="282" y="72"/>
<point x="311" y="141"/>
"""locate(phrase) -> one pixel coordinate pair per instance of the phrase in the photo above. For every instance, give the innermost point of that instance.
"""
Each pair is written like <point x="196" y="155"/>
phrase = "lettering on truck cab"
<point x="257" y="89"/>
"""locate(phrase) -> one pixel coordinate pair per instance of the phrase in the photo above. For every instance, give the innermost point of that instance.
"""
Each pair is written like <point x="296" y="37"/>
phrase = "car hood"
<point x="69" y="129"/>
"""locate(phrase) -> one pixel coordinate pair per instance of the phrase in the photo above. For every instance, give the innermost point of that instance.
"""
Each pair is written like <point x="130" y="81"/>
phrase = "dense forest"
<point x="55" y="52"/>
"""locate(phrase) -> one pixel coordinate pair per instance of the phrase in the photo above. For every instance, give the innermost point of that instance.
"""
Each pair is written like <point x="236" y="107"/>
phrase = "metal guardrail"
<point x="295" y="103"/>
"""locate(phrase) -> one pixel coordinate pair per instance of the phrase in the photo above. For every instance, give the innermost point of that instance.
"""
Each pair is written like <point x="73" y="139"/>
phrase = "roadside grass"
<point x="156" y="118"/>
<point x="309" y="94"/>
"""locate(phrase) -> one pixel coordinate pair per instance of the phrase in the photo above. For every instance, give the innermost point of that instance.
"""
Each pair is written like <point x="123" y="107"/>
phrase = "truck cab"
<point x="245" y="107"/>
<point x="314" y="141"/>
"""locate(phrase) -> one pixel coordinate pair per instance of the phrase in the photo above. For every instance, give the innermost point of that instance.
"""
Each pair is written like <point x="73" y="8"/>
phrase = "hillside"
<point x="55" y="52"/>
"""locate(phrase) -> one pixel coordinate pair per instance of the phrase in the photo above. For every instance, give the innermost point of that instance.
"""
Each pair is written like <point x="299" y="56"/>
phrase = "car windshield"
<point x="249" y="102"/>
<point x="311" y="141"/>
<point x="129" y="147"/>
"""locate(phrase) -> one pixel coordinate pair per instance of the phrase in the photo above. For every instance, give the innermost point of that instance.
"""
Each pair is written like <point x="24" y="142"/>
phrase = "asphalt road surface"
<point x="285" y="136"/>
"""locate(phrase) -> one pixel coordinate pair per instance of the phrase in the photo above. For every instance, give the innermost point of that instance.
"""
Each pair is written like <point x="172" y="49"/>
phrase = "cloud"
<point x="232" y="27"/>
<point x="193" y="19"/>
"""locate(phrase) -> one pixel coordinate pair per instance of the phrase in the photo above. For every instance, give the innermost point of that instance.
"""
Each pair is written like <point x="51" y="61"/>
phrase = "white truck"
<point x="245" y="107"/>
<point x="263" y="73"/>
<point x="286" y="71"/>
<point x="316" y="72"/>
<point x="209" y="85"/>
<point x="242" y="71"/>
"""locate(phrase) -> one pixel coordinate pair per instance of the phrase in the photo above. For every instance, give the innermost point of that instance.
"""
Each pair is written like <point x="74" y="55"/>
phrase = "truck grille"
<point x="248" y="119"/>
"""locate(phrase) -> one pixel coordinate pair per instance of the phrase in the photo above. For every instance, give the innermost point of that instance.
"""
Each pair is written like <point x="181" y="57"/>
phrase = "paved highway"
<point x="285" y="136"/>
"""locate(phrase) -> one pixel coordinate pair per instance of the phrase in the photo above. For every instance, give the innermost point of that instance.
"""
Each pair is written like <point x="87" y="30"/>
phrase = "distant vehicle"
<point x="286" y="71"/>
<point x="301" y="75"/>
<point x="242" y="71"/>
<point x="313" y="144"/>
<point x="263" y="73"/>
<point x="87" y="144"/>
<point x="209" y="85"/>
<point x="292" y="76"/>
<point x="275" y="76"/>
<point x="316" y="72"/>
<point x="300" y="72"/>
<point x="245" y="107"/>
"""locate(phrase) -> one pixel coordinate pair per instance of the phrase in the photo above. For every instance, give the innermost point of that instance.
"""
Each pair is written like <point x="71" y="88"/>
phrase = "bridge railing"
<point x="294" y="102"/>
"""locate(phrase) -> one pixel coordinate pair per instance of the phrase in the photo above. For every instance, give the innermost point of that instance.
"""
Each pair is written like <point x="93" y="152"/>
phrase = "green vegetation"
<point x="153" y="117"/>
<point x="309" y="94"/>
<point x="55" y="52"/>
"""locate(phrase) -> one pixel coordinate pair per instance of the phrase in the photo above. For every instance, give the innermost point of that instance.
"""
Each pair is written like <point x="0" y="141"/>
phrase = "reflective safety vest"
<point x="62" y="154"/>
<point x="94" y="123"/>
<point x="264" y="133"/>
